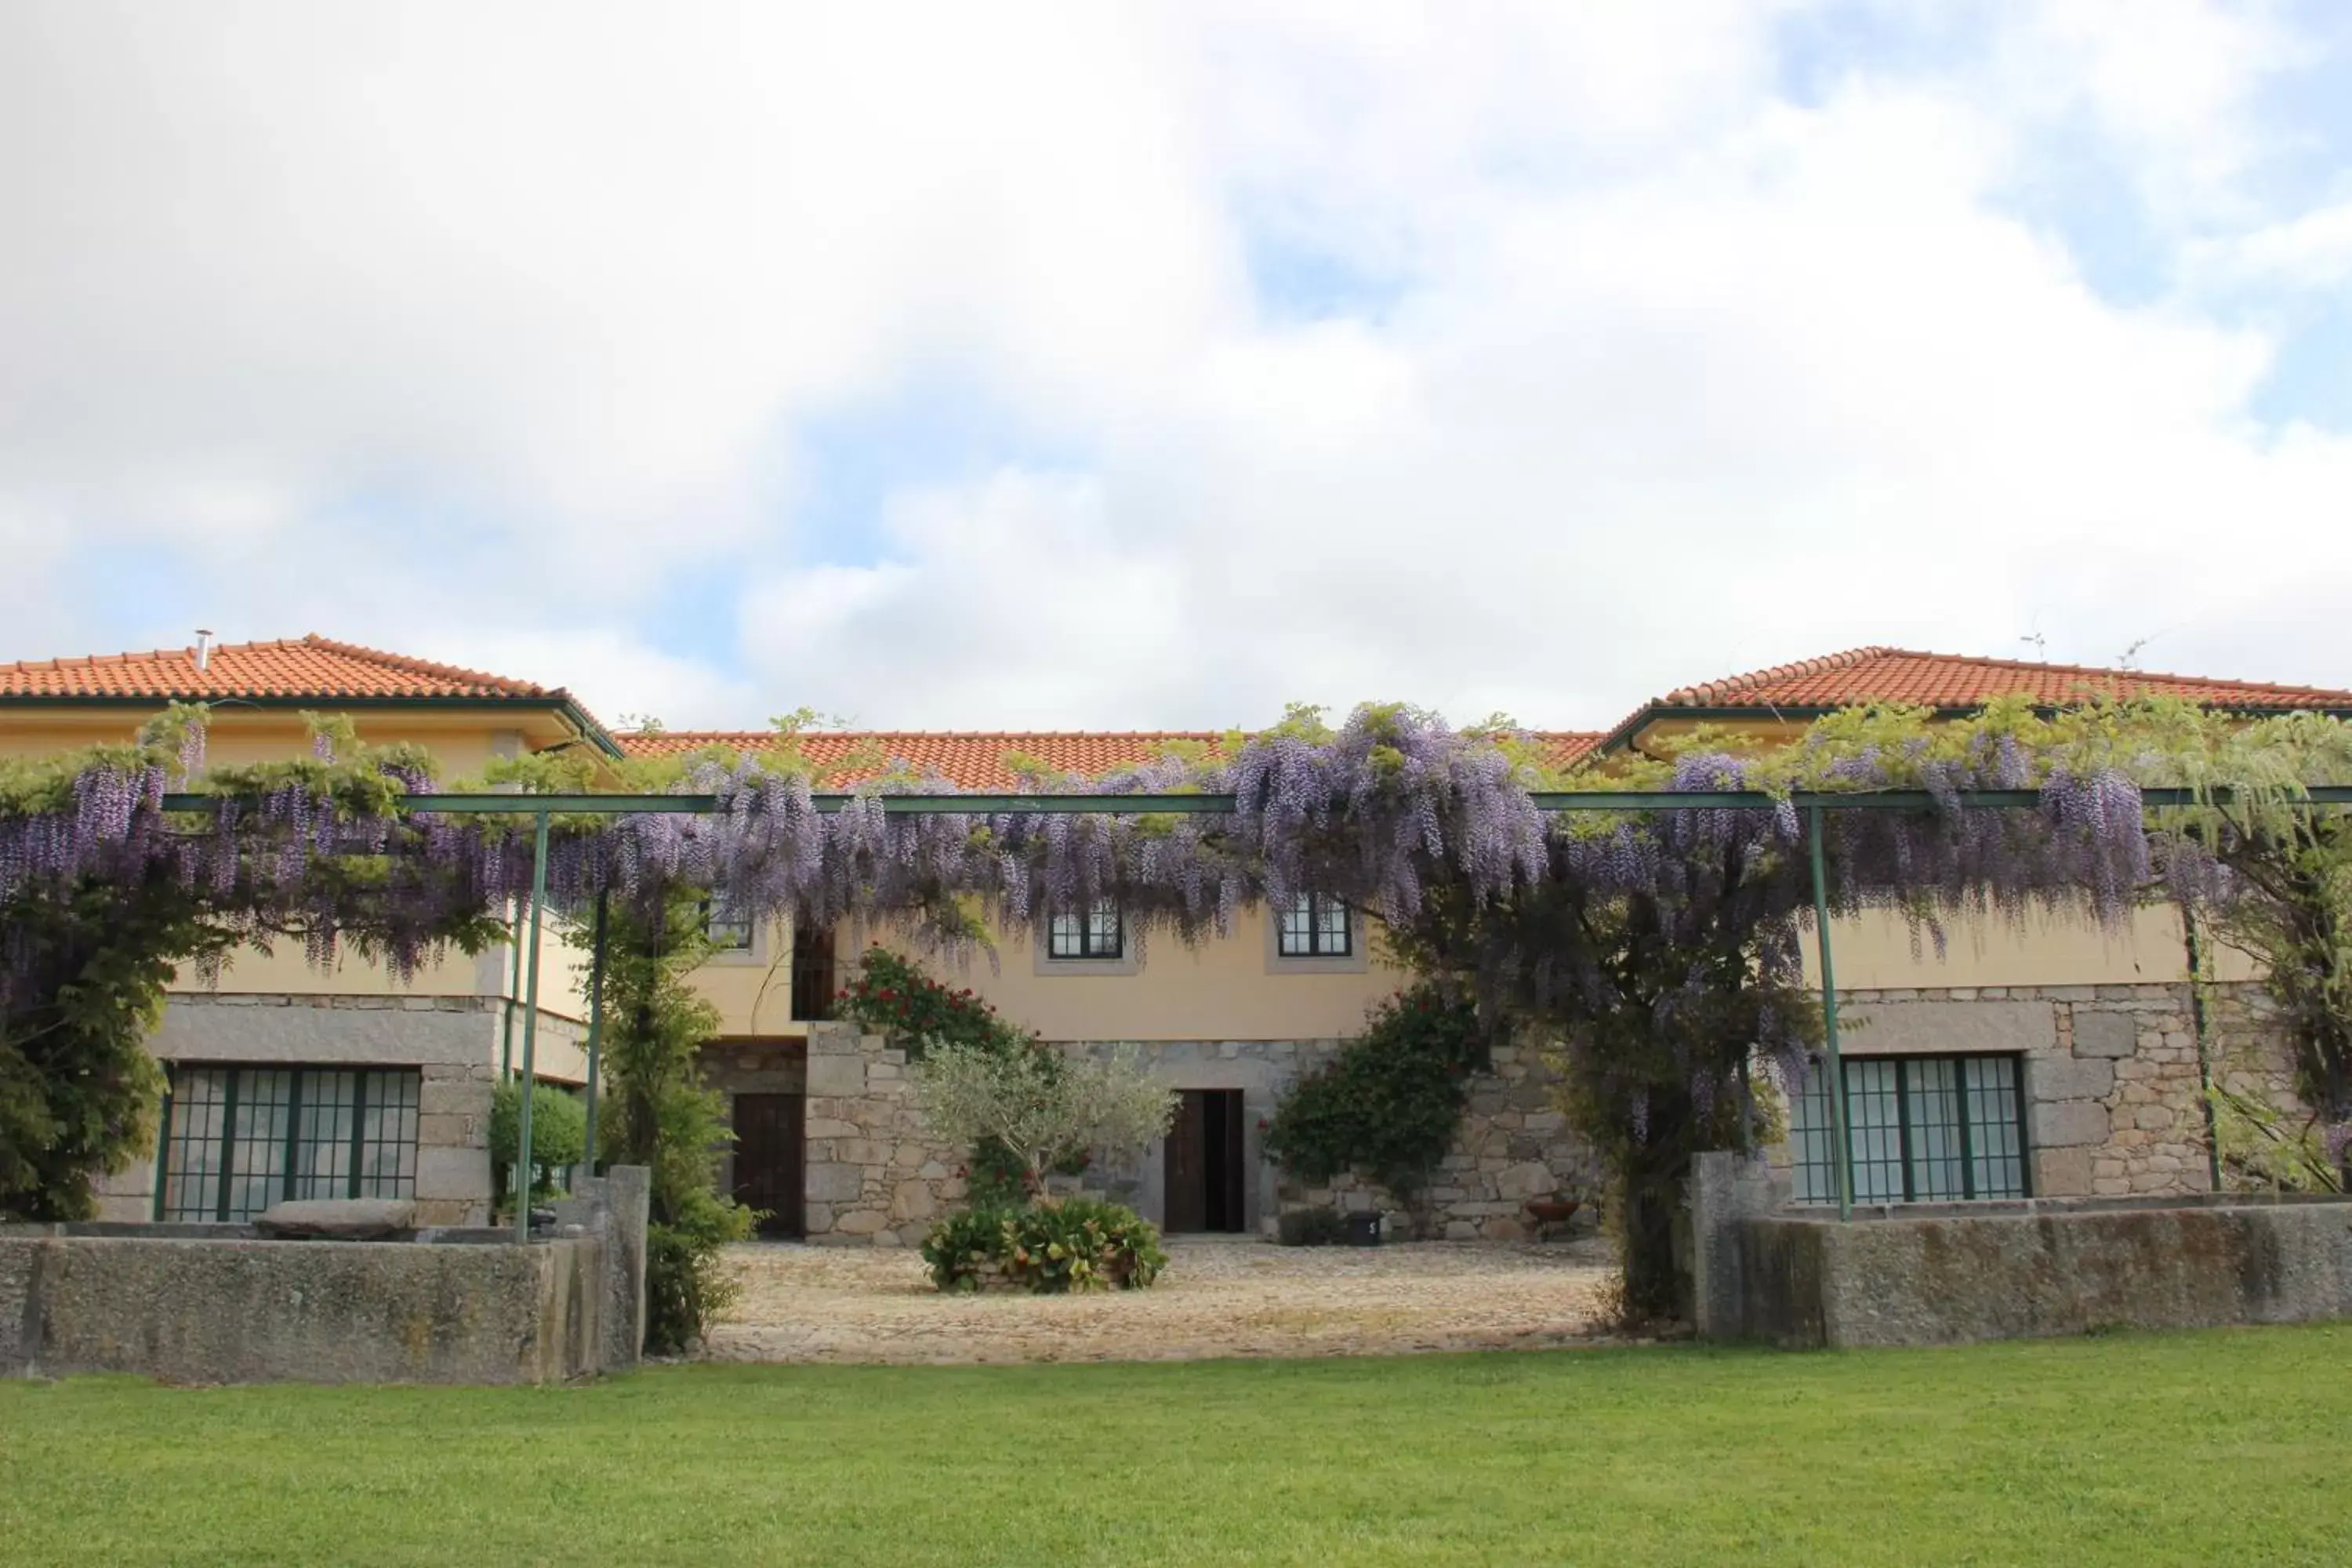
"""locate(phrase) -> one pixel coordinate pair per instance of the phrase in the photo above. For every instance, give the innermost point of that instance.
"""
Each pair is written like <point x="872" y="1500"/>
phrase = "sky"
<point x="1134" y="366"/>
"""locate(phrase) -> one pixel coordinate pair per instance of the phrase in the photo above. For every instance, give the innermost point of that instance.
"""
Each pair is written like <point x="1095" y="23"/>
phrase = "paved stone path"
<point x="1218" y="1298"/>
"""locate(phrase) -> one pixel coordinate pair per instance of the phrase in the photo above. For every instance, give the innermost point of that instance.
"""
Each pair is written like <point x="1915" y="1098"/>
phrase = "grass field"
<point x="2213" y="1447"/>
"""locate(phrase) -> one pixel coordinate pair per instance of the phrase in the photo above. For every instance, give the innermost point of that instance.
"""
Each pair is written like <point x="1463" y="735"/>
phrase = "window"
<point x="1922" y="1129"/>
<point x="1316" y="925"/>
<point x="1097" y="933"/>
<point x="237" y="1140"/>
<point x="726" y="933"/>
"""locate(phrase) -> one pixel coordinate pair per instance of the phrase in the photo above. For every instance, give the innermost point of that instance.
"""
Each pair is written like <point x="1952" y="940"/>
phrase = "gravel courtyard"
<point x="1218" y="1298"/>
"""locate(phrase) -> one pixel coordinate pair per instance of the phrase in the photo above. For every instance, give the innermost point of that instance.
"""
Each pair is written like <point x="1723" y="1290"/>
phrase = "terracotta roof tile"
<point x="974" y="759"/>
<point x="313" y="667"/>
<point x="1951" y="680"/>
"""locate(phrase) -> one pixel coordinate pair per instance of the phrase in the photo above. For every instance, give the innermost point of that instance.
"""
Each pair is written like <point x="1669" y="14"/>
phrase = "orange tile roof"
<point x="312" y="668"/>
<point x="1952" y="681"/>
<point x="975" y="759"/>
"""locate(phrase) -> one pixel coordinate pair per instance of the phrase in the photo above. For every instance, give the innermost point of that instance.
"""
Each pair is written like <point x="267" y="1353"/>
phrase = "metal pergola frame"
<point x="1812" y="804"/>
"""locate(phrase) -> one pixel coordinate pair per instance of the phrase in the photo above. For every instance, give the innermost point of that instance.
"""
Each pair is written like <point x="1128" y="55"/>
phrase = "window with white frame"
<point x="237" y="1140"/>
<point x="1097" y="933"/>
<point x="1315" y="925"/>
<point x="1921" y="1129"/>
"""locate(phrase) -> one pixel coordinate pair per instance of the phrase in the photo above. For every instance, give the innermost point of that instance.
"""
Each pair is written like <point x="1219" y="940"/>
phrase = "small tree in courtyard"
<point x="1044" y="1109"/>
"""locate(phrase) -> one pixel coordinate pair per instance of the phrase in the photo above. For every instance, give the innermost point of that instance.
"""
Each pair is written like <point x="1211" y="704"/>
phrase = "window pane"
<point x="1297" y="935"/>
<point x="1064" y="937"/>
<point x="388" y="1135"/>
<point x="191" y="1154"/>
<point x="322" y="1136"/>
<point x="1997" y="1162"/>
<point x="1810" y="1139"/>
<point x="256" y="1172"/>
<point x="1936" y="1170"/>
<point x="1875" y="1126"/>
<point x="1103" y="931"/>
<point x="1331" y="927"/>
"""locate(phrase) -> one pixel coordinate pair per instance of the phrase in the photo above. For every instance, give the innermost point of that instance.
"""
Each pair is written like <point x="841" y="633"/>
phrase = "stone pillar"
<point x="1726" y="1188"/>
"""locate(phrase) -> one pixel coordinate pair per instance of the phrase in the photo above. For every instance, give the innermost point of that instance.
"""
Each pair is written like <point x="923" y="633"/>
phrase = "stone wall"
<point x="233" y="1308"/>
<point x="1945" y="1275"/>
<point x="2115" y="1102"/>
<point x="874" y="1177"/>
<point x="1514" y="1145"/>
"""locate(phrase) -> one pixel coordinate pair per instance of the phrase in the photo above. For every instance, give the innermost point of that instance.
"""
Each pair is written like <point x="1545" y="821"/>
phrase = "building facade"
<point x="2057" y="1059"/>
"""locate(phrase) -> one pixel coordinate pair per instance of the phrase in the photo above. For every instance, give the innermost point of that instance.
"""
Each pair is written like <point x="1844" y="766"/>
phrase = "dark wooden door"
<point x="768" y="1160"/>
<point x="813" y="974"/>
<point x="1205" y="1170"/>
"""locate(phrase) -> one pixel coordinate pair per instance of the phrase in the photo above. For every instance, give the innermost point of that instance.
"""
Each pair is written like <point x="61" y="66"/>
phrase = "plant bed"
<point x="1045" y="1248"/>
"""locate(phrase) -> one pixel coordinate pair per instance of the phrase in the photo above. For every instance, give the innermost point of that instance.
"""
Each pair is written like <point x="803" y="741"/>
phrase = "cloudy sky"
<point x="1131" y="365"/>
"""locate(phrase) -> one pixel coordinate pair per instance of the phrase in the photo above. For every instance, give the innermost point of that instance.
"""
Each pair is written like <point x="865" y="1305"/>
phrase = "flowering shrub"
<point x="891" y="996"/>
<point x="1045" y="1248"/>
<point x="1389" y="1104"/>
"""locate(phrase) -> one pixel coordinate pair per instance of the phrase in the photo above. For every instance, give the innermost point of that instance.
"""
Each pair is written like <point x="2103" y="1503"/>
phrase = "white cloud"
<point x="458" y="330"/>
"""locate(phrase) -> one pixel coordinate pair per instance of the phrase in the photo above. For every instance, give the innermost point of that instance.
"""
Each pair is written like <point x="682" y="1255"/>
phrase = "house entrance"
<point x="769" y="1161"/>
<point x="1205" y="1174"/>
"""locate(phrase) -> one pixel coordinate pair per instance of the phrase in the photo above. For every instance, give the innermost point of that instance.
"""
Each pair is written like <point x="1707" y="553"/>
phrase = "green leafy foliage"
<point x="659" y="1114"/>
<point x="1389" y="1105"/>
<point x="1046" y="1248"/>
<point x="891" y="995"/>
<point x="559" y="1133"/>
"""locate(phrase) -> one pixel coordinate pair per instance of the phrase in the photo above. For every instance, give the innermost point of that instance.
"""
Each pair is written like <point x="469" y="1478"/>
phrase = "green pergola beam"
<point x="620" y="804"/>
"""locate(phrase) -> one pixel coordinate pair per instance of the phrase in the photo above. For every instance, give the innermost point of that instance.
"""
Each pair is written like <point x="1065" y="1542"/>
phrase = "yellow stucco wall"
<point x="1873" y="952"/>
<point x="1225" y="990"/>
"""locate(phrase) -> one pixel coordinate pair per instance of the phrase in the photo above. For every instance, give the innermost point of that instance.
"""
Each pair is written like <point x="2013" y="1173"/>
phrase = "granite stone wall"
<point x="876" y="1177"/>
<point x="2113" y="1079"/>
<point x="1515" y="1145"/>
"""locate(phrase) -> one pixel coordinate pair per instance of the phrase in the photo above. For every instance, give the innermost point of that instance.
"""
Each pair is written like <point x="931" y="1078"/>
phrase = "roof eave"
<point x="1623" y="736"/>
<point x="562" y="705"/>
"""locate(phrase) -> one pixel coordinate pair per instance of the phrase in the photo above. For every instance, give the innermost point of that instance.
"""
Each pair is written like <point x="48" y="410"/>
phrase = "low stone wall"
<point x="2112" y="1077"/>
<point x="228" y="1307"/>
<point x="1923" y="1274"/>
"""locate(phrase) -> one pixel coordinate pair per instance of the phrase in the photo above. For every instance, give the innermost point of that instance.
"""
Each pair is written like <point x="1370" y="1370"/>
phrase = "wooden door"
<point x="768" y="1160"/>
<point x="1188" y="1191"/>
<point x="1205" y="1170"/>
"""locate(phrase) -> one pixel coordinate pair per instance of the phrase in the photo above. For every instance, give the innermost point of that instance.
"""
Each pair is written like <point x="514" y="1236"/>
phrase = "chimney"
<point x="204" y="647"/>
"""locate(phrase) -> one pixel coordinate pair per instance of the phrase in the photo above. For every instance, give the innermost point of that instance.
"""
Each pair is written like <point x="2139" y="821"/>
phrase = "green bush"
<point x="1079" y="1244"/>
<point x="1389" y="1104"/>
<point x="559" y="1133"/>
<point x="1323" y="1227"/>
<point x="891" y="996"/>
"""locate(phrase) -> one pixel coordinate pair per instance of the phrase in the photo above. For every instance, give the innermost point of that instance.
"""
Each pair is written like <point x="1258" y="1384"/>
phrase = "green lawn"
<point x="2208" y="1448"/>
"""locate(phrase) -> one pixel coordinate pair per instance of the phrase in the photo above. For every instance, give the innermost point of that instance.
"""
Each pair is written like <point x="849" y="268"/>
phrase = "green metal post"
<point x="1830" y="1018"/>
<point x="595" y="1026"/>
<point x="530" y="1030"/>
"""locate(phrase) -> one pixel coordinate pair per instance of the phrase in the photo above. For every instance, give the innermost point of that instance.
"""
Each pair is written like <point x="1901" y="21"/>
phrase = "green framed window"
<point x="1097" y="933"/>
<point x="1315" y="925"/>
<point x="1920" y="1130"/>
<point x="235" y="1139"/>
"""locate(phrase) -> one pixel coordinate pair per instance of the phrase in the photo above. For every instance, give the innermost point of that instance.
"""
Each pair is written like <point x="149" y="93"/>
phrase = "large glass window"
<point x="1097" y="933"/>
<point x="1921" y="1129"/>
<point x="237" y="1140"/>
<point x="1316" y="925"/>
